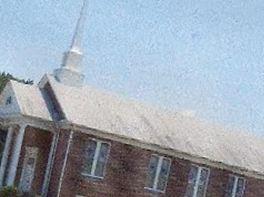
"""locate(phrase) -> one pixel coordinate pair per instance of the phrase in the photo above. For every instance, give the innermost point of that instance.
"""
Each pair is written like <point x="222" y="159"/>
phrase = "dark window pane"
<point x="89" y="153"/>
<point x="191" y="181"/>
<point x="164" y="173"/>
<point x="202" y="182"/>
<point x="230" y="185"/>
<point x="8" y="100"/>
<point x="31" y="162"/>
<point x="52" y="102"/>
<point x="3" y="135"/>
<point x="101" y="162"/>
<point x="240" y="187"/>
<point x="152" y="171"/>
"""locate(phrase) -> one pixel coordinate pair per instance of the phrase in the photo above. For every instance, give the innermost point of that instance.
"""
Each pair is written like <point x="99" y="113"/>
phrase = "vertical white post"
<point x="156" y="180"/>
<point x="65" y="163"/>
<point x="198" y="177"/>
<point x="235" y="186"/>
<point x="49" y="165"/>
<point x="5" y="154"/>
<point x="96" y="156"/>
<point x="15" y="155"/>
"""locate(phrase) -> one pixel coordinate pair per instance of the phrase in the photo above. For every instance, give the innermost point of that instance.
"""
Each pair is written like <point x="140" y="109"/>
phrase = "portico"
<point x="28" y="149"/>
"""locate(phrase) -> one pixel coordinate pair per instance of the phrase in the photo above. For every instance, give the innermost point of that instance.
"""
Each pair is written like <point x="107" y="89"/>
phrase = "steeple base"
<point x="69" y="77"/>
<point x="72" y="60"/>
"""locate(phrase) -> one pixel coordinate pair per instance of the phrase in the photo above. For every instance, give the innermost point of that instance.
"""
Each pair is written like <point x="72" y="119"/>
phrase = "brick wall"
<point x="58" y="162"/>
<point x="254" y="188"/>
<point x="126" y="173"/>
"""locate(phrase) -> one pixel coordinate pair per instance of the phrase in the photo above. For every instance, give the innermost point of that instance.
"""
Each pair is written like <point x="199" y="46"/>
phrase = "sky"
<point x="199" y="56"/>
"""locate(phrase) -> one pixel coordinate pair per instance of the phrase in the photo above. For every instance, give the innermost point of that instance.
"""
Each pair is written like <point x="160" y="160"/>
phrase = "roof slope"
<point x="28" y="99"/>
<point x="91" y="108"/>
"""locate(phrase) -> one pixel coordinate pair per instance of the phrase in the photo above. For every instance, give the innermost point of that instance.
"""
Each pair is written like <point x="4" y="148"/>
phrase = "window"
<point x="96" y="156"/>
<point x="8" y="100"/>
<point x="158" y="173"/>
<point x="197" y="181"/>
<point x="235" y="186"/>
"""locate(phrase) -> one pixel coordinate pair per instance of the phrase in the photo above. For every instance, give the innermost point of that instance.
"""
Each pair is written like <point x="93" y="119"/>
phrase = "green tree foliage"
<point x="9" y="192"/>
<point x="5" y="77"/>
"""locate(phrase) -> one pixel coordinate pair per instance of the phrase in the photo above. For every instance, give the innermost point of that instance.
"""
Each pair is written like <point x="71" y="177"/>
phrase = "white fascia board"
<point x="169" y="152"/>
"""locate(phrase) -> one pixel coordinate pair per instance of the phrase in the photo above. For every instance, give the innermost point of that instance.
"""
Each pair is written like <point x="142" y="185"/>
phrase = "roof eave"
<point x="17" y="119"/>
<point x="65" y="124"/>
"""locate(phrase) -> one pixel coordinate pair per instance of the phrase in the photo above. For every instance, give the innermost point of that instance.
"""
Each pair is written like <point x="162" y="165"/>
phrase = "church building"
<point x="62" y="138"/>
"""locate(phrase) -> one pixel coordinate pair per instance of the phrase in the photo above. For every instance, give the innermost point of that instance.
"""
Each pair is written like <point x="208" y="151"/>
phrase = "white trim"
<point x="52" y="163"/>
<point x="65" y="162"/>
<point x="92" y="176"/>
<point x="156" y="180"/>
<point x="5" y="154"/>
<point x="234" y="188"/>
<point x="64" y="124"/>
<point x="207" y="181"/>
<point x="49" y="166"/>
<point x="154" y="188"/>
<point x="96" y="157"/>
<point x="18" y="119"/>
<point x="15" y="155"/>
<point x="197" y="181"/>
<point x="168" y="175"/>
<point x="31" y="152"/>
<point x="198" y="178"/>
<point x="162" y="150"/>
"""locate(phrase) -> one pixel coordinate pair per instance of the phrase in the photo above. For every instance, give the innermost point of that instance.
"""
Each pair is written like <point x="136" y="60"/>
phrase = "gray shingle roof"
<point x="95" y="109"/>
<point x="29" y="99"/>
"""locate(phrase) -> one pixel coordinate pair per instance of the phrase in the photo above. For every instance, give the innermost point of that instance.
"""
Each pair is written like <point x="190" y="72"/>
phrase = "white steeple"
<point x="70" y="71"/>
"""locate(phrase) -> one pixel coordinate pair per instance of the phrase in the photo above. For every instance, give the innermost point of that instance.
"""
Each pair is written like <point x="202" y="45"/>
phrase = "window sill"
<point x="92" y="177"/>
<point x="154" y="190"/>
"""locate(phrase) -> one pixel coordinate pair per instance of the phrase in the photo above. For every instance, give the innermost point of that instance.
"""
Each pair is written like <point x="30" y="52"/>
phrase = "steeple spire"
<point x="78" y="34"/>
<point x="70" y="71"/>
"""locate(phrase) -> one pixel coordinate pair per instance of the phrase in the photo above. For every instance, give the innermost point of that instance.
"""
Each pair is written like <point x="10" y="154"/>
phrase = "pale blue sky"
<point x="201" y="55"/>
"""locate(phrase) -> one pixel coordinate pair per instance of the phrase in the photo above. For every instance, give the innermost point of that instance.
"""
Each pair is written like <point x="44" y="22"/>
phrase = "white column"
<point x="5" y="154"/>
<point x="65" y="162"/>
<point x="49" y="165"/>
<point x="15" y="156"/>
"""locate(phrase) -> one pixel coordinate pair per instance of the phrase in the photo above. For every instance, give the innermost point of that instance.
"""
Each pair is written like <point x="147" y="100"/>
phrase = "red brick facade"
<point x="126" y="170"/>
<point x="126" y="173"/>
<point x="58" y="162"/>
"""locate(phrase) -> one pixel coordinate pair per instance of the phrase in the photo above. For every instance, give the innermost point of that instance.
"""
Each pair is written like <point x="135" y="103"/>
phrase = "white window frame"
<point x="157" y="174"/>
<point x="234" y="188"/>
<point x="96" y="157"/>
<point x="198" y="177"/>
